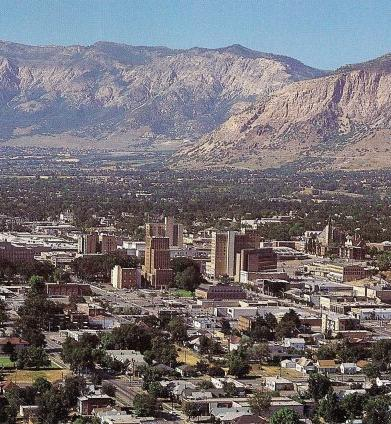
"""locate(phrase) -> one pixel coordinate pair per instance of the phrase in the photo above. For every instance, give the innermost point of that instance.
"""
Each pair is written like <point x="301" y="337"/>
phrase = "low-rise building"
<point x="348" y="368"/>
<point x="294" y="343"/>
<point x="220" y="291"/>
<point x="277" y="384"/>
<point x="86" y="404"/>
<point x="326" y="366"/>
<point x="125" y="278"/>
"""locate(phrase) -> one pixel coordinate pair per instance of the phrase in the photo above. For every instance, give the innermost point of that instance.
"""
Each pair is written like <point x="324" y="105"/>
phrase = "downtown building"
<point x="159" y="238"/>
<point x="225" y="248"/>
<point x="125" y="278"/>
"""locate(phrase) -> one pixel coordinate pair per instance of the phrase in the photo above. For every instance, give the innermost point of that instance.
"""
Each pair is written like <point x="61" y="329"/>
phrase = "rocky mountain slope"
<point x="107" y="90"/>
<point x="342" y="120"/>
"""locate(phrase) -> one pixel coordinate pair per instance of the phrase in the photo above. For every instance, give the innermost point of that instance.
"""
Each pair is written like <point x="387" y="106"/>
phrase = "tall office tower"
<point x="224" y="248"/>
<point x="218" y="254"/>
<point x="157" y="261"/>
<point x="88" y="244"/>
<point x="173" y="231"/>
<point x="155" y="229"/>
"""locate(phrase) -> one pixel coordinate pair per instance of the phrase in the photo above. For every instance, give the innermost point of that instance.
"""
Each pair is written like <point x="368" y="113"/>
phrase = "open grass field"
<point x="5" y="362"/>
<point x="183" y="293"/>
<point x="187" y="356"/>
<point x="29" y="376"/>
<point x="272" y="371"/>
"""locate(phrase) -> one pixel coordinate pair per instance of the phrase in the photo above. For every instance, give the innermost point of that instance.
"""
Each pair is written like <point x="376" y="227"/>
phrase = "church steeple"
<point x="329" y="231"/>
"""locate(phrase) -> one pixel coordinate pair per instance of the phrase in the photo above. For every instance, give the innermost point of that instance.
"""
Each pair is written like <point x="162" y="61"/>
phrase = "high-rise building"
<point x="218" y="254"/>
<point x="155" y="229"/>
<point x="224" y="248"/>
<point x="157" y="269"/>
<point x="174" y="232"/>
<point x="159" y="238"/>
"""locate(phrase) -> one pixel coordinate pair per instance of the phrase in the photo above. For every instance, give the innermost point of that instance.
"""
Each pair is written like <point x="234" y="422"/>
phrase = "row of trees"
<point x="99" y="267"/>
<point x="267" y="328"/>
<point x="53" y="401"/>
<point x="37" y="313"/>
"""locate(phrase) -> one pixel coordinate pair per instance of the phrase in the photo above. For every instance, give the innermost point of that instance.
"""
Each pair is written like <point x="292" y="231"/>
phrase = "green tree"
<point x="205" y="385"/>
<point x="318" y="386"/>
<point x="61" y="276"/>
<point x="178" y="329"/>
<point x="156" y="389"/>
<point x="330" y="409"/>
<point x="163" y="351"/>
<point x="128" y="336"/>
<point x="287" y="325"/>
<point x="3" y="312"/>
<point x="73" y="388"/>
<point x="326" y="351"/>
<point x="32" y="357"/>
<point x="37" y="313"/>
<point x="83" y="354"/>
<point x="215" y="371"/>
<point x="285" y="416"/>
<point x="353" y="405"/>
<point x="189" y="279"/>
<point x="260" y="402"/>
<point x="271" y="320"/>
<point x="372" y="371"/>
<point x="15" y="397"/>
<point x="150" y="375"/>
<point x="144" y="405"/>
<point x="190" y="409"/>
<point x="225" y="327"/>
<point x="259" y="352"/>
<point x="381" y="353"/>
<point x="51" y="407"/>
<point x="261" y="331"/>
<point x="229" y="389"/>
<point x="238" y="364"/>
<point x="377" y="411"/>
<point x="41" y="385"/>
<point x="384" y="261"/>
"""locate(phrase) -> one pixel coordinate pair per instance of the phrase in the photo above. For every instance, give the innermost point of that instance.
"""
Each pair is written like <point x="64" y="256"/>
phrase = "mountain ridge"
<point x="342" y="119"/>
<point x="109" y="89"/>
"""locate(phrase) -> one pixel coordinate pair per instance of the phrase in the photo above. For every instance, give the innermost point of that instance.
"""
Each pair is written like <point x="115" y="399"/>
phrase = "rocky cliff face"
<point x="108" y="89"/>
<point x="340" y="120"/>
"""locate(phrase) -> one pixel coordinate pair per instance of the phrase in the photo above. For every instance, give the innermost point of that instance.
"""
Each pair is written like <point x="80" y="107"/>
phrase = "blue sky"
<point x="322" y="33"/>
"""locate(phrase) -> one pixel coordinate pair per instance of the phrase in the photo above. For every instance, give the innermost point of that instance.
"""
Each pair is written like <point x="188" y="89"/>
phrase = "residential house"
<point x="326" y="366"/>
<point x="15" y="343"/>
<point x="305" y="366"/>
<point x="288" y="363"/>
<point x="294" y="343"/>
<point x="348" y="368"/>
<point x="277" y="384"/>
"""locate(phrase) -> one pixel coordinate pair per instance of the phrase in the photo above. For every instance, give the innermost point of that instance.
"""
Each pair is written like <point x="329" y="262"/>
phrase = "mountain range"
<point x="338" y="121"/>
<point x="111" y="89"/>
<point x="235" y="107"/>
